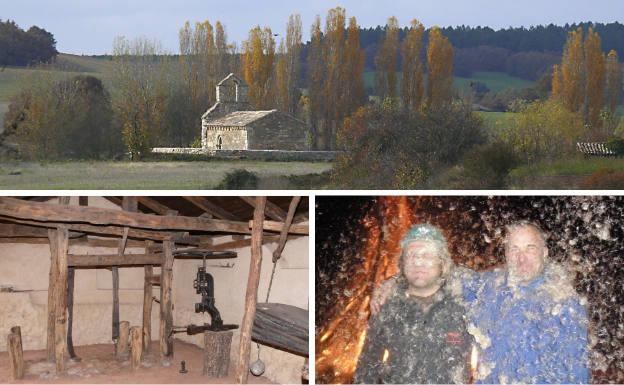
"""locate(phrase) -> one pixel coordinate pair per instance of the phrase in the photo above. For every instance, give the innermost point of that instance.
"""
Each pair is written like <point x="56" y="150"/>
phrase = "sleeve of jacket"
<point x="369" y="362"/>
<point x="569" y="358"/>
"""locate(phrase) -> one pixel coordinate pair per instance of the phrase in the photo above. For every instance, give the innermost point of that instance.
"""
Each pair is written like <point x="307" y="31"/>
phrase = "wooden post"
<point x="71" y="275"/>
<point x="60" y="299"/>
<point x="284" y="233"/>
<point x="147" y="302"/>
<point x="52" y="280"/>
<point x="16" y="353"/>
<point x="121" y="349"/>
<point x="166" y="307"/>
<point x="136" y="345"/>
<point x="217" y="347"/>
<point x="251" y="296"/>
<point x="127" y="204"/>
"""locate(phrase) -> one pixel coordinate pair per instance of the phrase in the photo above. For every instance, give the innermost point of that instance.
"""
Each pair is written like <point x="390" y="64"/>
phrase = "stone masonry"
<point x="232" y="123"/>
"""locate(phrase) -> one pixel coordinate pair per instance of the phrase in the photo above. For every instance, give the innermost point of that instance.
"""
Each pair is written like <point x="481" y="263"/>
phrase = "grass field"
<point x="4" y="107"/>
<point x="571" y="166"/>
<point x="495" y="81"/>
<point x="105" y="175"/>
<point x="14" y="79"/>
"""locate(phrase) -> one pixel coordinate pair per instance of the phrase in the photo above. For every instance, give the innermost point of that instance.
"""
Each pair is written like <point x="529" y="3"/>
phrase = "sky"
<point x="90" y="26"/>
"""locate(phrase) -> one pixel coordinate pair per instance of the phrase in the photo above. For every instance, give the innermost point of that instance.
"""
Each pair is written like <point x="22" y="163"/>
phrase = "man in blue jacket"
<point x="527" y="319"/>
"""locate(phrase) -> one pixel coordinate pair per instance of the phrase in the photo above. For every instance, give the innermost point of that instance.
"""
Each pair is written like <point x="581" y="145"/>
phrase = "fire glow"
<point x="344" y="334"/>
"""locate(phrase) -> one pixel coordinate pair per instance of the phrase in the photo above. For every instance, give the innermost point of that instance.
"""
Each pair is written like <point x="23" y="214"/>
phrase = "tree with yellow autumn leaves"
<point x="586" y="81"/>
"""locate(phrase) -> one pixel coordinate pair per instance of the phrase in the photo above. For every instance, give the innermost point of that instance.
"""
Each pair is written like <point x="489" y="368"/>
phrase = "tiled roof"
<point x="239" y="118"/>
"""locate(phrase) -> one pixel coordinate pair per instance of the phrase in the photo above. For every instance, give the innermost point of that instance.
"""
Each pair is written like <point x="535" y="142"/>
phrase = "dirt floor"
<point x="98" y="365"/>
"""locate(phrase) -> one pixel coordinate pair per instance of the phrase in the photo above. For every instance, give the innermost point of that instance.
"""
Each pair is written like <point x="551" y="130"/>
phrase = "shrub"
<point x="239" y="180"/>
<point x="484" y="167"/>
<point x="488" y="165"/>
<point x="197" y="143"/>
<point x="616" y="145"/>
<point x="64" y="119"/>
<point x="544" y="130"/>
<point x="388" y="147"/>
<point x="605" y="178"/>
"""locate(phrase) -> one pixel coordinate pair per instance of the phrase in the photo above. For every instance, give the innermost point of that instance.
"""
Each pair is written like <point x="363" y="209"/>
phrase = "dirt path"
<point x="98" y="366"/>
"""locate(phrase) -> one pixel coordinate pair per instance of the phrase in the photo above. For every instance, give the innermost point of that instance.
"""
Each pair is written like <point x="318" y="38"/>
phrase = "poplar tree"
<point x="440" y="65"/>
<point x="334" y="56"/>
<point x="281" y="78"/>
<point x="316" y="78"/>
<point x="354" y="93"/>
<point x="557" y="83"/>
<point x="412" y="85"/>
<point x="222" y="63"/>
<point x="257" y="63"/>
<point x="573" y="71"/>
<point x="294" y="45"/>
<point x="614" y="81"/>
<point x="595" y="78"/>
<point x="386" y="61"/>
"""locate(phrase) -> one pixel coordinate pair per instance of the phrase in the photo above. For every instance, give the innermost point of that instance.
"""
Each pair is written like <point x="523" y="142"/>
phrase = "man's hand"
<point x="381" y="294"/>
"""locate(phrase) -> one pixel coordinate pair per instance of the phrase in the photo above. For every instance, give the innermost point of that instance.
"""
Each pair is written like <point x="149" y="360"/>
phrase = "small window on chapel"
<point x="219" y="143"/>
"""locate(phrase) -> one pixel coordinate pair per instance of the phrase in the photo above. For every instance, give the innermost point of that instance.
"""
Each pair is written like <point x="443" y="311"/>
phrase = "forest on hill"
<point x="21" y="48"/>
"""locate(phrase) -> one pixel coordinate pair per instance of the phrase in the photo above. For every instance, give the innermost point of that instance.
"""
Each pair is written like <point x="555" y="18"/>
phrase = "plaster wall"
<point x="26" y="267"/>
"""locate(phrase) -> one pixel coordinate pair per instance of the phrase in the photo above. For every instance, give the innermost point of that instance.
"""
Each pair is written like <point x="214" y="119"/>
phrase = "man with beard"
<point x="419" y="334"/>
<point x="527" y="318"/>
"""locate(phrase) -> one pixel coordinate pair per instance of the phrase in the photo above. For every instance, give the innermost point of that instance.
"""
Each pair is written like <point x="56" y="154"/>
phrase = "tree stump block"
<point x="217" y="353"/>
<point x="136" y="338"/>
<point x="122" y="342"/>
<point x="16" y="353"/>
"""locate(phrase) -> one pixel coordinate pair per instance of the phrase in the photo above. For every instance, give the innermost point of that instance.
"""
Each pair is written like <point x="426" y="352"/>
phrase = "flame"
<point x="344" y="332"/>
<point x="385" y="356"/>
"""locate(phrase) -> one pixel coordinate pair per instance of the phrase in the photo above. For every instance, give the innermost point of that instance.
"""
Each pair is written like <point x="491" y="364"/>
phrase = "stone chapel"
<point x="233" y="124"/>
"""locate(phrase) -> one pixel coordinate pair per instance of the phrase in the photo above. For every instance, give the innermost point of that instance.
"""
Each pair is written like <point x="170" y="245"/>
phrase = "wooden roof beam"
<point x="154" y="205"/>
<point x="272" y="210"/>
<point x="96" y="216"/>
<point x="211" y="208"/>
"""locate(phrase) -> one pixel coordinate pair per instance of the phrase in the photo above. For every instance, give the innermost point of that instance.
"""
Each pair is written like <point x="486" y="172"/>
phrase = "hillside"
<point x="495" y="81"/>
<point x="13" y="79"/>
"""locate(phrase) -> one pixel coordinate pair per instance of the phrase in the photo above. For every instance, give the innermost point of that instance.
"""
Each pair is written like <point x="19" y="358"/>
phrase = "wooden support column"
<point x="16" y="353"/>
<point x="129" y="204"/>
<point x="71" y="276"/>
<point x="52" y="282"/>
<point x="251" y="296"/>
<point x="166" y="307"/>
<point x="136" y="346"/>
<point x="60" y="299"/>
<point x="147" y="301"/>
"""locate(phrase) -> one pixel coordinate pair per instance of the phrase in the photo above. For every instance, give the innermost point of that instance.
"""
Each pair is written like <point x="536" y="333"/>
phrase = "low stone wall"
<point x="275" y="155"/>
<point x="178" y="150"/>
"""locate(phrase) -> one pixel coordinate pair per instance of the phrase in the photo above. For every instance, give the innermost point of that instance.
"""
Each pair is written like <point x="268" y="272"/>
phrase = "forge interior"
<point x="157" y="245"/>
